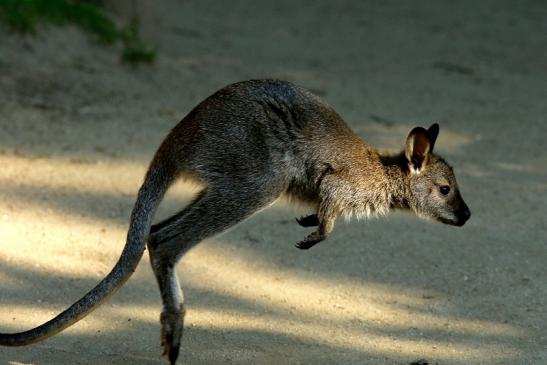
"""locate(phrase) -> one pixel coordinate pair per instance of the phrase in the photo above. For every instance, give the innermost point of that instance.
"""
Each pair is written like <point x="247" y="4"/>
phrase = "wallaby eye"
<point x="445" y="189"/>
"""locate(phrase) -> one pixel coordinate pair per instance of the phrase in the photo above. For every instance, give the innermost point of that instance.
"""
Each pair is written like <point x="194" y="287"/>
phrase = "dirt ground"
<point x="77" y="129"/>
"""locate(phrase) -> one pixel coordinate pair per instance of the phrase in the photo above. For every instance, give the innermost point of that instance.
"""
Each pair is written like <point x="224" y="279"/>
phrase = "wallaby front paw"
<point x="309" y="242"/>
<point x="308" y="221"/>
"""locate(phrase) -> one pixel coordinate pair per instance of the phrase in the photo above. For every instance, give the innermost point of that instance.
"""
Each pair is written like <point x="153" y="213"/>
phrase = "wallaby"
<point x="248" y="144"/>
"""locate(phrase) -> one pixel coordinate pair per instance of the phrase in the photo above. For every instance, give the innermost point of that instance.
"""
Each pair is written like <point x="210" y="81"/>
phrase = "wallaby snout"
<point x="459" y="217"/>
<point x="463" y="214"/>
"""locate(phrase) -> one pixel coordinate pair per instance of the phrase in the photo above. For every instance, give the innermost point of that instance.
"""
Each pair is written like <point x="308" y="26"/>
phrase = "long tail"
<point x="157" y="181"/>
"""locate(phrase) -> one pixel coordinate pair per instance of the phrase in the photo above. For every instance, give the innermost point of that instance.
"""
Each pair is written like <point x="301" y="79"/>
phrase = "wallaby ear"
<point x="418" y="147"/>
<point x="433" y="132"/>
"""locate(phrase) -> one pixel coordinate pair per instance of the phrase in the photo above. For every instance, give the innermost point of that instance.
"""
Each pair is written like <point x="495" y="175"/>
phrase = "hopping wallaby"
<point x="248" y="144"/>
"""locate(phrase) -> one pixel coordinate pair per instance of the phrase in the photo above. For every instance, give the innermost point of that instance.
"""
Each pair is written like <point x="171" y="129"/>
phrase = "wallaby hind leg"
<point x="172" y="316"/>
<point x="173" y="312"/>
<point x="213" y="211"/>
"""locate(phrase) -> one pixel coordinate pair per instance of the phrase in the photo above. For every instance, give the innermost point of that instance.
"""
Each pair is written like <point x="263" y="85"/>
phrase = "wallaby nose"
<point x="463" y="216"/>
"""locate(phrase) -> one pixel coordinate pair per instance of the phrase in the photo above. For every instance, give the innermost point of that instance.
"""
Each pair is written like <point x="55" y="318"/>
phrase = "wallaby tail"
<point x="157" y="181"/>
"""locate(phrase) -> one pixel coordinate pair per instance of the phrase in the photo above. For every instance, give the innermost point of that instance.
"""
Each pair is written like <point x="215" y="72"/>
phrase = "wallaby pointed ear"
<point x="433" y="132"/>
<point x="418" y="147"/>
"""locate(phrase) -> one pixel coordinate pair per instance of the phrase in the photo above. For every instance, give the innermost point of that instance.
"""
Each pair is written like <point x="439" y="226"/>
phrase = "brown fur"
<point x="248" y="144"/>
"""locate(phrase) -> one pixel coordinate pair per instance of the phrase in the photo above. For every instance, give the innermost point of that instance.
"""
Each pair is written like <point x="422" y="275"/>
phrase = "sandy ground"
<point x="77" y="130"/>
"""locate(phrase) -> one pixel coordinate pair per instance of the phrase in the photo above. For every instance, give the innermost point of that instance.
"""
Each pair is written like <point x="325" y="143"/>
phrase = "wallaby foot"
<point x="172" y="324"/>
<point x="308" y="221"/>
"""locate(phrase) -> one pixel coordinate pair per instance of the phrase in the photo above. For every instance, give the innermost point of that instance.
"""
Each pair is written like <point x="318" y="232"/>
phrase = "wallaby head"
<point x="432" y="185"/>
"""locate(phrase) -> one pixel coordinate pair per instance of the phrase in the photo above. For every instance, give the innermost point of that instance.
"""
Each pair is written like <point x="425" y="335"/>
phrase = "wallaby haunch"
<point x="248" y="144"/>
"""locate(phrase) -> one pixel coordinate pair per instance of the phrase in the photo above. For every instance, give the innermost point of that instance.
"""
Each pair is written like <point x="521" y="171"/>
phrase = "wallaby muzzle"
<point x="463" y="215"/>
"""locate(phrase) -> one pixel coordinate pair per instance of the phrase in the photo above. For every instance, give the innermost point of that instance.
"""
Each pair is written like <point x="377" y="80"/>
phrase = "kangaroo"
<point x="248" y="144"/>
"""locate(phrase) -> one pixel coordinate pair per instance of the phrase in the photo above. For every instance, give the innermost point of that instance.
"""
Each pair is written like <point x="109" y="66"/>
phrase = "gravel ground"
<point x="77" y="129"/>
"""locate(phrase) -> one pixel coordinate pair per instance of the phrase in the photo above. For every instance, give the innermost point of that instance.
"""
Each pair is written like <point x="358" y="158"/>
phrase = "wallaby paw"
<point x="171" y="335"/>
<point x="308" y="221"/>
<point x="307" y="243"/>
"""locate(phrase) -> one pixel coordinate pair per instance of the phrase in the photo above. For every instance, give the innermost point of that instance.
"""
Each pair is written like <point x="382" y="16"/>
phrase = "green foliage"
<point x="135" y="50"/>
<point x="19" y="15"/>
<point x="23" y="15"/>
